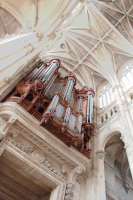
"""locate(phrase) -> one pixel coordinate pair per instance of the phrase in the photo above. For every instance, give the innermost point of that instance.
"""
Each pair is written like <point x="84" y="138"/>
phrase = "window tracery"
<point x="106" y="96"/>
<point x="126" y="76"/>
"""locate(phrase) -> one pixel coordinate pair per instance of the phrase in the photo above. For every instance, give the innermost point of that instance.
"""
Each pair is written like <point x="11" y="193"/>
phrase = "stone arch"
<point x="107" y="136"/>
<point x="13" y="11"/>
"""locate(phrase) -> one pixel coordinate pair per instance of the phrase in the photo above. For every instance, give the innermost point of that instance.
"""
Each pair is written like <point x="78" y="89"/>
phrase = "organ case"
<point x="62" y="109"/>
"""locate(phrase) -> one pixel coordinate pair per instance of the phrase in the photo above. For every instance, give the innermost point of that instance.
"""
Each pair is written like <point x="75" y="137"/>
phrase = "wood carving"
<point x="62" y="109"/>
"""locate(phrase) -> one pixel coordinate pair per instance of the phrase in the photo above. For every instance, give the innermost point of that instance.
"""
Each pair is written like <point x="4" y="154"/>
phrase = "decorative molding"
<point x="69" y="191"/>
<point x="101" y="154"/>
<point x="26" y="126"/>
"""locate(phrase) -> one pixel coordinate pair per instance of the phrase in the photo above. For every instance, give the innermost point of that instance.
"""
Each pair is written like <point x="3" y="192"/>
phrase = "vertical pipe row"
<point x="50" y="83"/>
<point x="48" y="73"/>
<point x="67" y="115"/>
<point x="38" y="72"/>
<point x="53" y="103"/>
<point x="68" y="89"/>
<point x="57" y="87"/>
<point x="89" y="111"/>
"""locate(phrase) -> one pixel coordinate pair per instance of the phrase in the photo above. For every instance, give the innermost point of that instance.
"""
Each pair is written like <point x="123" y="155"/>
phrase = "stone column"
<point x="101" y="194"/>
<point x="127" y="127"/>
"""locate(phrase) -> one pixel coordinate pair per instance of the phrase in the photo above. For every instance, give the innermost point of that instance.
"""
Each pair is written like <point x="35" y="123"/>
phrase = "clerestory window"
<point x="126" y="76"/>
<point x="106" y="96"/>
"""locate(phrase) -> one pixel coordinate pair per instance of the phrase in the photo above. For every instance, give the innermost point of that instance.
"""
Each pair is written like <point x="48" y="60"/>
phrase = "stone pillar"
<point x="69" y="191"/>
<point x="101" y="194"/>
<point x="127" y="127"/>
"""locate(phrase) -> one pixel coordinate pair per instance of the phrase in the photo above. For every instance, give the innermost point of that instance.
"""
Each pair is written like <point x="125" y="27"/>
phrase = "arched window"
<point x="106" y="96"/>
<point x="126" y="76"/>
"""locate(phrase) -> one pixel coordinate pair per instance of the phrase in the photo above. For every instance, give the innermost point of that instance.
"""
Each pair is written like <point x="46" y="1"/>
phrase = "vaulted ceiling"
<point x="94" y="38"/>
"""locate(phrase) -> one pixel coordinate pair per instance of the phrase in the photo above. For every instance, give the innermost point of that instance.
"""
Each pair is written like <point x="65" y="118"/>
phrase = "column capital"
<point x="101" y="154"/>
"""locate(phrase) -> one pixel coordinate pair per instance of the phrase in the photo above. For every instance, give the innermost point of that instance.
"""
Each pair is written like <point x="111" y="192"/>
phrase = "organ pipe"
<point x="53" y="103"/>
<point x="49" y="72"/>
<point x="79" y="125"/>
<point x="50" y="84"/>
<point x="68" y="115"/>
<point x="68" y="89"/>
<point x="79" y="106"/>
<point x="38" y="72"/>
<point x="89" y="111"/>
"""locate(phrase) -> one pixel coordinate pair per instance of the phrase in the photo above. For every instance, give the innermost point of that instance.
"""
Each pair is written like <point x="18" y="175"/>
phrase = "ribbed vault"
<point x="90" y="45"/>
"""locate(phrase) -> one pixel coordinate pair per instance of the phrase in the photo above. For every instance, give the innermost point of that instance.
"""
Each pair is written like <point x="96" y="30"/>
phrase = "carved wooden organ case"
<point x="62" y="109"/>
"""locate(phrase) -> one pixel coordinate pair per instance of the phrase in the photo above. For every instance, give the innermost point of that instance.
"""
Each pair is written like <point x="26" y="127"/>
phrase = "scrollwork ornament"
<point x="12" y="119"/>
<point x="79" y="170"/>
<point x="63" y="169"/>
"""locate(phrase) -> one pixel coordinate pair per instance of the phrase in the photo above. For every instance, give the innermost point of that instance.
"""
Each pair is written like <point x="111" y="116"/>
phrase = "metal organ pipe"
<point x="49" y="72"/>
<point x="67" y="115"/>
<point x="53" y="103"/>
<point x="57" y="87"/>
<point x="68" y="89"/>
<point x="38" y="72"/>
<point x="79" y="124"/>
<point x="50" y="83"/>
<point x="79" y="106"/>
<point x="89" y="111"/>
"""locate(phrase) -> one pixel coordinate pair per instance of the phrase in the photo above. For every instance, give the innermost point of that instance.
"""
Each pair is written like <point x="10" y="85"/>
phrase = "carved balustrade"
<point x="61" y="108"/>
<point x="108" y="113"/>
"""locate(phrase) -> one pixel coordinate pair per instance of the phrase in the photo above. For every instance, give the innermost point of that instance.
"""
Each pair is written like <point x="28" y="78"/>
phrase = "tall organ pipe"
<point x="50" y="83"/>
<point x="67" y="115"/>
<point x="79" y="106"/>
<point x="53" y="103"/>
<point x="89" y="111"/>
<point x="48" y="72"/>
<point x="69" y="91"/>
<point x="51" y="71"/>
<point x="66" y="89"/>
<point x="79" y="124"/>
<point x="38" y="72"/>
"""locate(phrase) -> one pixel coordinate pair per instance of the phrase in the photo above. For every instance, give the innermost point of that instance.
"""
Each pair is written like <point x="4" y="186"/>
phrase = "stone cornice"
<point x="29" y="128"/>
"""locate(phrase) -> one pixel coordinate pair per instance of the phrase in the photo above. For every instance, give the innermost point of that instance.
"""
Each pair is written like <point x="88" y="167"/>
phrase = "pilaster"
<point x="101" y="194"/>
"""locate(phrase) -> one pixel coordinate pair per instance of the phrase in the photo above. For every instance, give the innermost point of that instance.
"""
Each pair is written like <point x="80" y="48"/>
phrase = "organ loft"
<point x="63" y="110"/>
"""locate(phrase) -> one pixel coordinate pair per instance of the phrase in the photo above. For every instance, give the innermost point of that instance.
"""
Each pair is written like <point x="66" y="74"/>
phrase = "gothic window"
<point x="106" y="96"/>
<point x="127" y="76"/>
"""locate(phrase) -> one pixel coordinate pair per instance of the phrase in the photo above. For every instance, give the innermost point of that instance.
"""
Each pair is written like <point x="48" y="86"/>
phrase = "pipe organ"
<point x="62" y="109"/>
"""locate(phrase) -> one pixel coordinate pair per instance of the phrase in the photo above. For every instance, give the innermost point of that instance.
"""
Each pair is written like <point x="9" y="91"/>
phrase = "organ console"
<point x="62" y="109"/>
